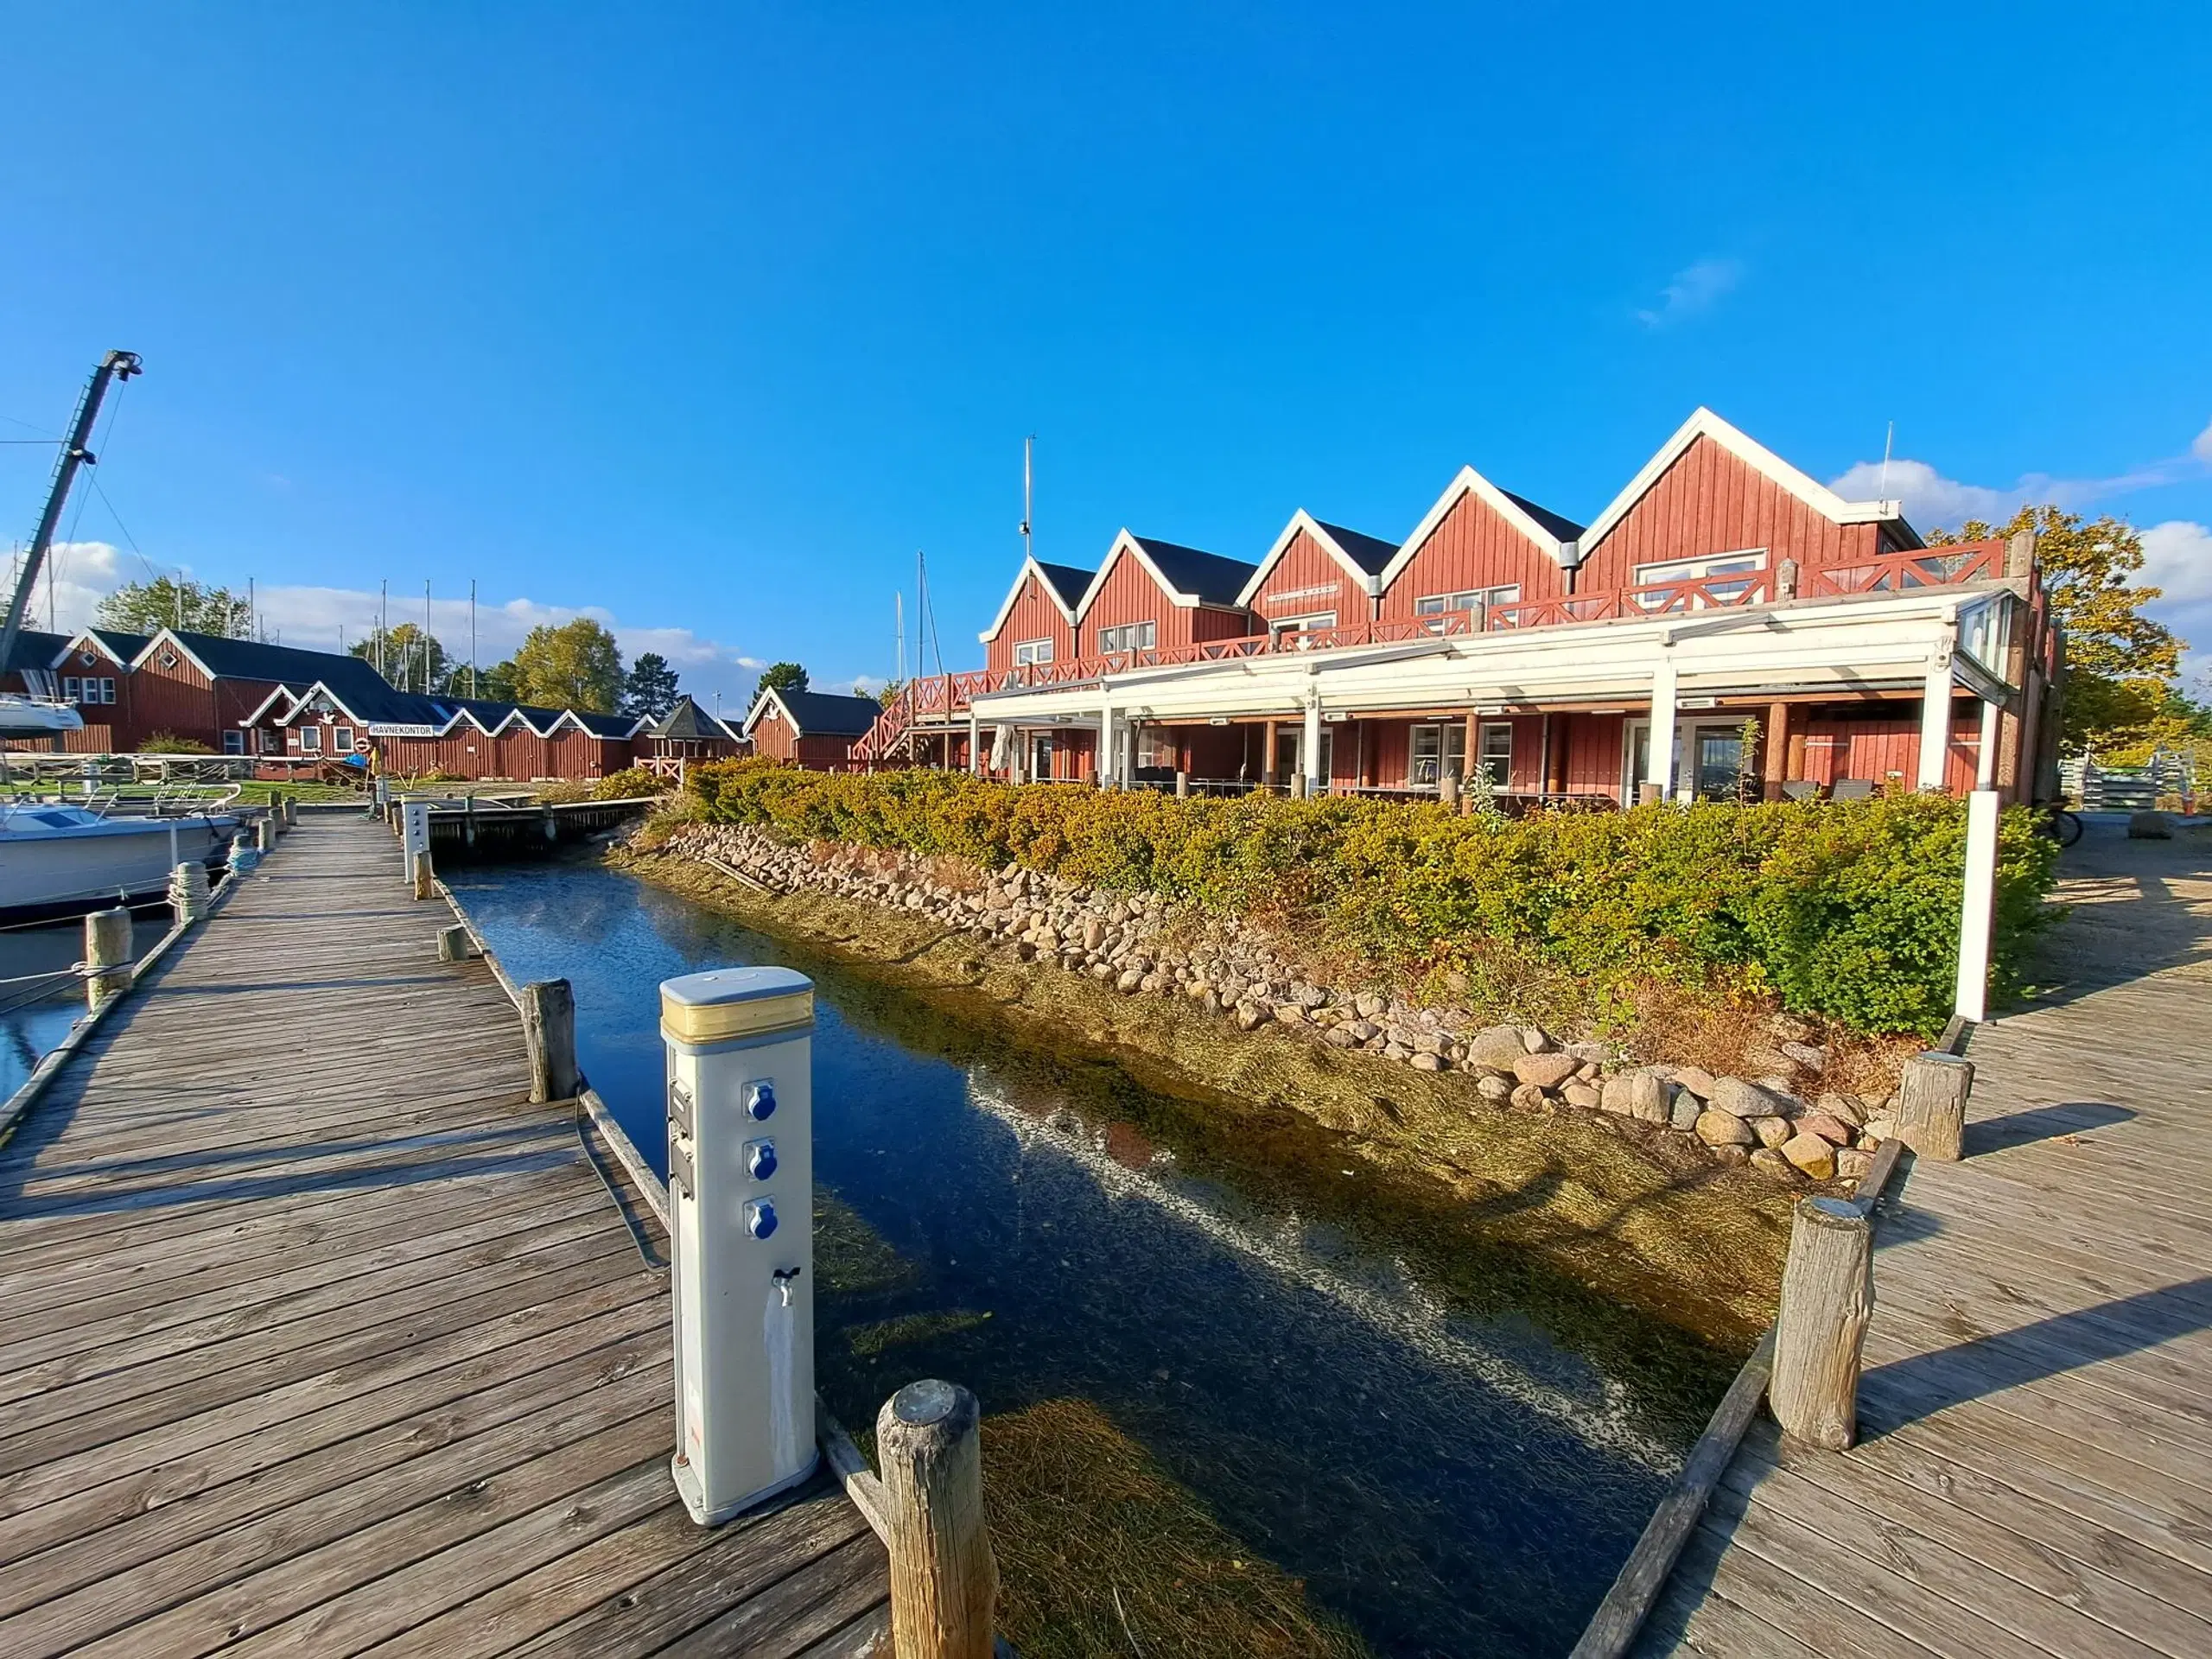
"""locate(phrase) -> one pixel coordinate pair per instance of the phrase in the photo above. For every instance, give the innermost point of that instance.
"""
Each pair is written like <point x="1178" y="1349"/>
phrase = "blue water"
<point x="35" y="1013"/>
<point x="1451" y="1471"/>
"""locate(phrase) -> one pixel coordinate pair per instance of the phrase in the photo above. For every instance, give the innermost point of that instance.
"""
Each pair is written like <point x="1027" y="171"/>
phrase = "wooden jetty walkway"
<point x="2036" y="1472"/>
<point x="316" y="1337"/>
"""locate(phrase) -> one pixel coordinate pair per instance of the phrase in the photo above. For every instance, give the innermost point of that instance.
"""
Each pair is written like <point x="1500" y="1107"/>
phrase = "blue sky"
<point x="706" y="318"/>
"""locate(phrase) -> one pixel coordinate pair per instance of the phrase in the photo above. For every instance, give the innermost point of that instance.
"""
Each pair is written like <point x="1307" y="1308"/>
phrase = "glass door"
<point x="1719" y="765"/>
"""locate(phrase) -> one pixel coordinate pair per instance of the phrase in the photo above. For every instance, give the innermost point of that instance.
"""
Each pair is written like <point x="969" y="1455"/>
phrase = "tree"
<point x="783" y="676"/>
<point x="649" y="689"/>
<point x="576" y="665"/>
<point x="500" y="682"/>
<point x="174" y="602"/>
<point x="889" y="695"/>
<point x="2120" y="664"/>
<point x="402" y="651"/>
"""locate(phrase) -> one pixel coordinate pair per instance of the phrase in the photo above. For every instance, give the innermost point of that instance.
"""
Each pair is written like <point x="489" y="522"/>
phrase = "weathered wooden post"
<point x="107" y="954"/>
<point x="1447" y="789"/>
<point x="189" y="891"/>
<point x="1932" y="1105"/>
<point x="419" y="872"/>
<point x="548" y="1025"/>
<point x="453" y="943"/>
<point x="291" y="812"/>
<point x="1182" y="784"/>
<point x="1828" y="1296"/>
<point x="943" y="1580"/>
<point x="264" y="833"/>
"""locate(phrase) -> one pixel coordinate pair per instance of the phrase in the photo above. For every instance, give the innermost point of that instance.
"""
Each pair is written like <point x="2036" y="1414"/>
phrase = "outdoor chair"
<point x="1800" y="789"/>
<point x="1852" y="789"/>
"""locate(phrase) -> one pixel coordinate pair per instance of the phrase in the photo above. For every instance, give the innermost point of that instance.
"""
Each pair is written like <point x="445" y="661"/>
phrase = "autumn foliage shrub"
<point x="1847" y="910"/>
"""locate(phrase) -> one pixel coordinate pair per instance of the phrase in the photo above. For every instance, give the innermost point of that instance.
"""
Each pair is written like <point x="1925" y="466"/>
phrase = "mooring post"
<point x="419" y="872"/>
<point x="943" y="1580"/>
<point x="1182" y="784"/>
<point x="291" y="813"/>
<point x="1447" y="789"/>
<point x="548" y="1025"/>
<point x="453" y="943"/>
<point x="189" y="891"/>
<point x="107" y="954"/>
<point x="264" y="833"/>
<point x="1932" y="1105"/>
<point x="1828" y="1297"/>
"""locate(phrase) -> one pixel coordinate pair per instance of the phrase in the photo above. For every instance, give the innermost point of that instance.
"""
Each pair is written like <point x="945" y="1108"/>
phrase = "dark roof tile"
<point x="1214" y="580"/>
<point x="1371" y="553"/>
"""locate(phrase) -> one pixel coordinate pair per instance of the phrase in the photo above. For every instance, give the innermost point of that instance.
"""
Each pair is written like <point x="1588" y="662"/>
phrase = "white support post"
<point x="1101" y="764"/>
<point x="974" y="743"/>
<point x="1985" y="760"/>
<point x="1934" y="723"/>
<point x="1309" y="755"/>
<point x="1659" y="751"/>
<point x="1978" y="911"/>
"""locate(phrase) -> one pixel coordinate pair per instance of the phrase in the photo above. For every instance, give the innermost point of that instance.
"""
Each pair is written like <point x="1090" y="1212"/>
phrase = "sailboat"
<point x="58" y="858"/>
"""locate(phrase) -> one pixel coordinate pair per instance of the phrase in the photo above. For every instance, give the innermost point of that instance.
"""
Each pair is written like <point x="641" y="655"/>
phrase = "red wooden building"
<point x="809" y="728"/>
<point x="1719" y="586"/>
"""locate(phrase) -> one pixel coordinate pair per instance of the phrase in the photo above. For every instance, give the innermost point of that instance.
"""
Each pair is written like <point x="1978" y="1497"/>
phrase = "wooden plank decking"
<point x="2035" y="1476"/>
<point x="316" y="1337"/>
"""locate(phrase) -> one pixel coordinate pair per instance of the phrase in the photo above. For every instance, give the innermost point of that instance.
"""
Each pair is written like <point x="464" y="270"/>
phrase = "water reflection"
<point x="1452" y="1471"/>
<point x="37" y="1011"/>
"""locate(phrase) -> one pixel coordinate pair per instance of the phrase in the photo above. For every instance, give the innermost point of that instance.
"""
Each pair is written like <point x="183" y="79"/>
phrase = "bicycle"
<point x="2056" y="823"/>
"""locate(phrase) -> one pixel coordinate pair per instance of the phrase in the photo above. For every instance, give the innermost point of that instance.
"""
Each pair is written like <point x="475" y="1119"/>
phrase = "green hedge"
<point x="1849" y="910"/>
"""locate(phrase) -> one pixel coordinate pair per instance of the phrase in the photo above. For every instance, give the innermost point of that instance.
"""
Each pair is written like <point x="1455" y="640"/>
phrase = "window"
<point x="1318" y="621"/>
<point x="1157" y="749"/>
<point x="1437" y="749"/>
<point x="1476" y="600"/>
<point x="311" y="740"/>
<point x="234" y="742"/>
<point x="170" y="659"/>
<point x="1748" y="562"/>
<point x="1497" y="754"/>
<point x="342" y="739"/>
<point x="1130" y="636"/>
<point x="107" y="688"/>
<point x="72" y="688"/>
<point x="1026" y="651"/>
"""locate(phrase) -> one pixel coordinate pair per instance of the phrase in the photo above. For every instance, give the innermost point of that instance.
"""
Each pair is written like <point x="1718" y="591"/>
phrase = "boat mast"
<point x="116" y="366"/>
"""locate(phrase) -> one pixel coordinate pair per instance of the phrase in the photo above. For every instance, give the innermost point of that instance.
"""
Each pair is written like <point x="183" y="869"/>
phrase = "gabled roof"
<point x="818" y="714"/>
<point x="686" y="720"/>
<point x="36" y="648"/>
<point x="1188" y="577"/>
<point x="372" y="702"/>
<point x="121" y="648"/>
<point x="1362" y="557"/>
<point x="1554" y="534"/>
<point x="1063" y="585"/>
<point x="1704" y="423"/>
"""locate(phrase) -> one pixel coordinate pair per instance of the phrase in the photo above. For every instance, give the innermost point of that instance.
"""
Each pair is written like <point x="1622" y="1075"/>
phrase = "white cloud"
<point x="1931" y="499"/>
<point x="2177" y="557"/>
<point x="861" y="685"/>
<point x="1696" y="289"/>
<point x="76" y="576"/>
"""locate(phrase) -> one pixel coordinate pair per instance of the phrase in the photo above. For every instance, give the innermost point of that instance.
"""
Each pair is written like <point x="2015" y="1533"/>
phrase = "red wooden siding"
<point x="1473" y="547"/>
<point x="1306" y="565"/>
<point x="1888" y="751"/>
<point x="1710" y="502"/>
<point x="1129" y="594"/>
<point x="1035" y="615"/>
<point x="180" y="701"/>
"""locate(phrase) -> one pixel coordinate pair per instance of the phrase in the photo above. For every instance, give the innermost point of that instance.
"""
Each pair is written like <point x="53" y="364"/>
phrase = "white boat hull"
<point x="55" y="869"/>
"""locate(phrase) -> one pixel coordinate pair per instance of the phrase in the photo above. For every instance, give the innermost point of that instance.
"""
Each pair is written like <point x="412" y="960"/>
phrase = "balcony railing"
<point x="946" y="694"/>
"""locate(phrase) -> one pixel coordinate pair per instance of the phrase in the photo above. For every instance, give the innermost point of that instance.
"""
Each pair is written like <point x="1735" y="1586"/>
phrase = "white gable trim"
<point x="1564" y="554"/>
<point x="1029" y="568"/>
<point x="760" y="703"/>
<point x="85" y="639"/>
<point x="154" y="645"/>
<point x="1704" y="423"/>
<point x="254" y="718"/>
<point x="1301" y="519"/>
<point x="300" y="700"/>
<point x="1125" y="542"/>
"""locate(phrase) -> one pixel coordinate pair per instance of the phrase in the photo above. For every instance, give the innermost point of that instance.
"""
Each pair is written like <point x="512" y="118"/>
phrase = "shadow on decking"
<point x="1908" y="1390"/>
<point x="2126" y="919"/>
<point x="352" y="1177"/>
<point x="2043" y="1123"/>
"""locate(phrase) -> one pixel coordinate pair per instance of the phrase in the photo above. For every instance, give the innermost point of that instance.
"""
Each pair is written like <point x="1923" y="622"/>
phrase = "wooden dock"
<point x="317" y="1338"/>
<point x="2036" y="1472"/>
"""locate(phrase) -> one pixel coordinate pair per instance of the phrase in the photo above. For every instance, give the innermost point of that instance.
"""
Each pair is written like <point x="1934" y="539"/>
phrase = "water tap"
<point x="784" y="1277"/>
